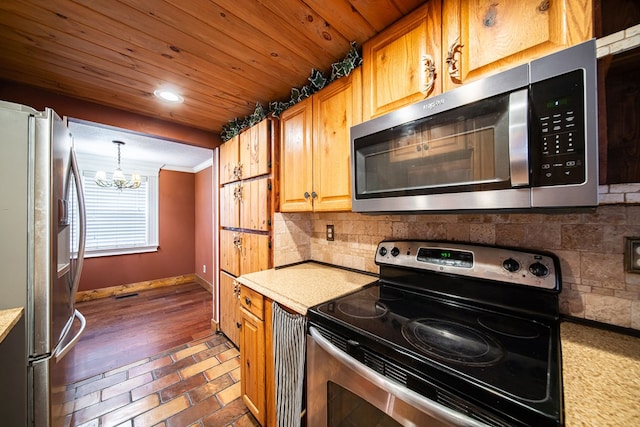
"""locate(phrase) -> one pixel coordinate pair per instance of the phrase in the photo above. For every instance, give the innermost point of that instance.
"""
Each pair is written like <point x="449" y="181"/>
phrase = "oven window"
<point x="346" y="409"/>
<point x="465" y="146"/>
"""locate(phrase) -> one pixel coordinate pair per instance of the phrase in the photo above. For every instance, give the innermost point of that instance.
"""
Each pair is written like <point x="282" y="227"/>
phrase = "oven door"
<point x="342" y="391"/>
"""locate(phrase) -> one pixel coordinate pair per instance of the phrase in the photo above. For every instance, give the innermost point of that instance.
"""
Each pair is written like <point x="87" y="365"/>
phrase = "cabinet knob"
<point x="247" y="300"/>
<point x="238" y="325"/>
<point x="314" y="194"/>
<point x="306" y="195"/>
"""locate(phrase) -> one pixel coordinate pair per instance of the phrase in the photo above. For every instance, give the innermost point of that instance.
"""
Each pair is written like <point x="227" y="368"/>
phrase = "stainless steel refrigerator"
<point x="40" y="194"/>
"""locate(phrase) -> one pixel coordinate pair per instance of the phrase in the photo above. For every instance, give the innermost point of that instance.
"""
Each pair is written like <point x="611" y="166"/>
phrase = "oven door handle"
<point x="427" y="406"/>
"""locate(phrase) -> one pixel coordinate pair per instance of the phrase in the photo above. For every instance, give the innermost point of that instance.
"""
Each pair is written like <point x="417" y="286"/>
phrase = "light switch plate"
<point x="632" y="254"/>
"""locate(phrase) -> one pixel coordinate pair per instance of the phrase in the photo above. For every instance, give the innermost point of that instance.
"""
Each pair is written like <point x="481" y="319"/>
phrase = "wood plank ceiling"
<point x="223" y="56"/>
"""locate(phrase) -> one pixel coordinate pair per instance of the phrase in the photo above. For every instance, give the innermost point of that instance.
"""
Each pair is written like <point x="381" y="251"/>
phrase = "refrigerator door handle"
<point x="81" y="226"/>
<point x="64" y="350"/>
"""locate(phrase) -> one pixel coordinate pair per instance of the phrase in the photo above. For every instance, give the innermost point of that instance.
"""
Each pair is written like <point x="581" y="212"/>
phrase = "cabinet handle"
<point x="237" y="171"/>
<point x="314" y="194"/>
<point x="430" y="72"/>
<point x="237" y="193"/>
<point x="237" y="242"/>
<point x="247" y="300"/>
<point x="454" y="71"/>
<point x="306" y="195"/>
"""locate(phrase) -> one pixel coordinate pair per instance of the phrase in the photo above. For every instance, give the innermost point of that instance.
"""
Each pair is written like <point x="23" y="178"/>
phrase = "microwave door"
<point x="463" y="158"/>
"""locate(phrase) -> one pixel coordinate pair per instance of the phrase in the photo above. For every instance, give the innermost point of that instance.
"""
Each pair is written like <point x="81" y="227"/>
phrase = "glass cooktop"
<point x="505" y="352"/>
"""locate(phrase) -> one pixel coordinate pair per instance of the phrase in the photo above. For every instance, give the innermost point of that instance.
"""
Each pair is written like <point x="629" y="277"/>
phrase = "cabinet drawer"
<point x="252" y="301"/>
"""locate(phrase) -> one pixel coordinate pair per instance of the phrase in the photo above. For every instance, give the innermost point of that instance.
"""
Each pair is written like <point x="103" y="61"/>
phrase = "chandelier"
<point x="118" y="179"/>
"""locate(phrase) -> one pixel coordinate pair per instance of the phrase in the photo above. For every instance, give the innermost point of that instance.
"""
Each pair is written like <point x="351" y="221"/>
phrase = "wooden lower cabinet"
<point x="230" y="307"/>
<point x="256" y="357"/>
<point x="252" y="365"/>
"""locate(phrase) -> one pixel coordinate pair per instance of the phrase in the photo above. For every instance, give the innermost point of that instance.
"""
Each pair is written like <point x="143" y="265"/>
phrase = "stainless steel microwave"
<point x="524" y="138"/>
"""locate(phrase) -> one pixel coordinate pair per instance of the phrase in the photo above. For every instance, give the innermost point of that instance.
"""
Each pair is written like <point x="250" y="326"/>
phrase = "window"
<point x="119" y="222"/>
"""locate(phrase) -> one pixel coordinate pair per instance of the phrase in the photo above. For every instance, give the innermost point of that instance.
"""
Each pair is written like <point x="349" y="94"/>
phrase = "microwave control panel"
<point x="559" y="142"/>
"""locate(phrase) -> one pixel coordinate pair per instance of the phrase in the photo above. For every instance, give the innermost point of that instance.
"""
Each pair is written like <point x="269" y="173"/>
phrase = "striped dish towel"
<point x="289" y="334"/>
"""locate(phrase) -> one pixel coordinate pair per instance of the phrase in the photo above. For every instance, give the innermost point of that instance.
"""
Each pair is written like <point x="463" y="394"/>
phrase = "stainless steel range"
<point x="450" y="334"/>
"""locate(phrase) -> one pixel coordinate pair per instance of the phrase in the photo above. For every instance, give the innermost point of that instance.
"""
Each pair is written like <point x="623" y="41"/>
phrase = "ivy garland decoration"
<point x="317" y="81"/>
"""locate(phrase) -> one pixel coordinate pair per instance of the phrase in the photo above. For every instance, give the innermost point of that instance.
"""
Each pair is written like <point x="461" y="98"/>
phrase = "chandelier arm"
<point x="118" y="179"/>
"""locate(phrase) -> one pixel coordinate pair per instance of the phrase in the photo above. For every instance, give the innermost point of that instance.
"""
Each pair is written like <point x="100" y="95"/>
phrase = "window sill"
<point x="120" y="251"/>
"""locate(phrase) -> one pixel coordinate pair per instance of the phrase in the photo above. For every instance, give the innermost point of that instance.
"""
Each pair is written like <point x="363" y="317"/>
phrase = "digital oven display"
<point x="446" y="257"/>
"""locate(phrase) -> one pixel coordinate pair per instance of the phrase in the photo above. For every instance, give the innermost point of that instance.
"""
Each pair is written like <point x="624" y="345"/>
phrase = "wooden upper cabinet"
<point x="230" y="246"/>
<point x="245" y="204"/>
<point x="230" y="205"/>
<point x="255" y="149"/>
<point x="335" y="109"/>
<point x="403" y="64"/>
<point x="254" y="253"/>
<point x="315" y="172"/>
<point x="296" y="158"/>
<point x="254" y="204"/>
<point x="229" y="160"/>
<point x="243" y="252"/>
<point x="482" y="37"/>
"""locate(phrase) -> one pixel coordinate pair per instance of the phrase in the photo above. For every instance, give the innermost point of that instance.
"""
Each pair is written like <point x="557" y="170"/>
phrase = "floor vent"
<point x="121" y="296"/>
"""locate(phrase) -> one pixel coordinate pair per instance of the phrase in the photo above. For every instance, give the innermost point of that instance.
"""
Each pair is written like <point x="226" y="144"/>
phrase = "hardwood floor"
<point x="152" y="360"/>
<point x="122" y="330"/>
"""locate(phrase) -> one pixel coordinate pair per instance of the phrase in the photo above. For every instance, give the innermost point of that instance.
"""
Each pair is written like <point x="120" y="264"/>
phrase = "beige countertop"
<point x="601" y="369"/>
<point x="8" y="319"/>
<point x="304" y="285"/>
<point x="601" y="376"/>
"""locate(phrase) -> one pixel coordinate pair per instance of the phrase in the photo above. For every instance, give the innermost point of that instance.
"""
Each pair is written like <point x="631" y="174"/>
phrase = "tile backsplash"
<point x="589" y="243"/>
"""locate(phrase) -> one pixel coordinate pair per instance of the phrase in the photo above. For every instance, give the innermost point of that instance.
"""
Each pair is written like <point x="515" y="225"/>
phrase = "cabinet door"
<point x="230" y="252"/>
<point x="230" y="195"/>
<point x="254" y="205"/>
<point x="255" y="147"/>
<point x="485" y="36"/>
<point x="402" y="64"/>
<point x="230" y="307"/>
<point x="296" y="163"/>
<point x="254" y="253"/>
<point x="229" y="159"/>
<point x="336" y="108"/>
<point x="252" y="365"/>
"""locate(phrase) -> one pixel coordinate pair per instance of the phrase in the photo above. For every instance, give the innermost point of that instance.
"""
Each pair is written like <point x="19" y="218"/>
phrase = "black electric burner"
<point x="475" y="328"/>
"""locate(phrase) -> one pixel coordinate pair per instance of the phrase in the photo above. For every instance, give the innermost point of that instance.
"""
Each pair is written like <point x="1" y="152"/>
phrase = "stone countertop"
<point x="601" y="376"/>
<point x="304" y="285"/>
<point x="8" y="319"/>
<point x="601" y="368"/>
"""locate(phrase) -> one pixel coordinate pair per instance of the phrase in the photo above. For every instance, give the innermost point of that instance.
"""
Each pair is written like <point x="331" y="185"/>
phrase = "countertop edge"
<point x="282" y="284"/>
<point x="8" y="319"/>
<point x="279" y="298"/>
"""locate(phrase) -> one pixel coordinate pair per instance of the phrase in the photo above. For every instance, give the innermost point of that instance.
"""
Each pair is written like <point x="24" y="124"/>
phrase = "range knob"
<point x="511" y="265"/>
<point x="395" y="251"/>
<point x="538" y="269"/>
<point x="382" y="251"/>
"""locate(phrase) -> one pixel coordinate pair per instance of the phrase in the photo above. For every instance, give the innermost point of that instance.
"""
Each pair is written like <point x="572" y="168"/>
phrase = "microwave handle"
<point x="519" y="138"/>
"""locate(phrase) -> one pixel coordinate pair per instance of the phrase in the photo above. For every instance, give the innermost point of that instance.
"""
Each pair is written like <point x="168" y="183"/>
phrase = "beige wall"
<point x="589" y="243"/>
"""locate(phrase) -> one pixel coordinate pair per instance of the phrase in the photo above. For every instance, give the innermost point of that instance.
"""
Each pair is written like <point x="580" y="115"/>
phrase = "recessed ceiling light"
<point x="168" y="95"/>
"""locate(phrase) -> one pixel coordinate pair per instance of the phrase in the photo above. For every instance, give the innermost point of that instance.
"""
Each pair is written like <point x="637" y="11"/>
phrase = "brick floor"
<point x="193" y="385"/>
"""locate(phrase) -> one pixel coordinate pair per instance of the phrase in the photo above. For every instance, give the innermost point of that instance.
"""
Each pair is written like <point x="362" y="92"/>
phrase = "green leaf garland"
<point x="317" y="81"/>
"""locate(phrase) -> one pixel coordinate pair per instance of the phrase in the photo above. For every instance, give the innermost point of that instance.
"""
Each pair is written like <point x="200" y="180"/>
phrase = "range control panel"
<point x="522" y="267"/>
